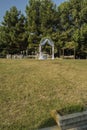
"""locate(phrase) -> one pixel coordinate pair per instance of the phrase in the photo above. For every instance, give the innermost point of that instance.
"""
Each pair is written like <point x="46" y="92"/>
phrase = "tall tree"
<point x="33" y="22"/>
<point x="13" y="31"/>
<point x="41" y="19"/>
<point x="72" y="15"/>
<point x="48" y="16"/>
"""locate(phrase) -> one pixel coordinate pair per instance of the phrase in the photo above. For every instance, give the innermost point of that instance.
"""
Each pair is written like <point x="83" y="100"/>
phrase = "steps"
<point x="76" y="121"/>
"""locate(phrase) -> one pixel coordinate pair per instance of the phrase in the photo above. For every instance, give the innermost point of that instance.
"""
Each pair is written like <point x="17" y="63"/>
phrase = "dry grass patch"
<point x="29" y="89"/>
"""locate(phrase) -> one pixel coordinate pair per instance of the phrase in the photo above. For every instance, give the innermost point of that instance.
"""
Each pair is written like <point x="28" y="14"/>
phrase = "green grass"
<point x="30" y="89"/>
<point x="69" y="109"/>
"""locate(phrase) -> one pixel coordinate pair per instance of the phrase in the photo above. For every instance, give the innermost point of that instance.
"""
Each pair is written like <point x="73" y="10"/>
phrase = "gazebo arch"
<point x="42" y="43"/>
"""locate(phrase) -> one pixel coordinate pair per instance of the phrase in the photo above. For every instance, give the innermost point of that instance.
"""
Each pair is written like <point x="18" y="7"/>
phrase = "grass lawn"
<point x="30" y="89"/>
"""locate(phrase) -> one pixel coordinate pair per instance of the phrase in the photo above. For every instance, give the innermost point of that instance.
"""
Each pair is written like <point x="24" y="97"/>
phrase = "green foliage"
<point x="13" y="31"/>
<point x="64" y="24"/>
<point x="73" y="108"/>
<point x="40" y="19"/>
<point x="71" y="45"/>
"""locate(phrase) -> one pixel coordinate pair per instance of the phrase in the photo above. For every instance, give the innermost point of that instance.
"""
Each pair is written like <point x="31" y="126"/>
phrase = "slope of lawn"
<point x="30" y="89"/>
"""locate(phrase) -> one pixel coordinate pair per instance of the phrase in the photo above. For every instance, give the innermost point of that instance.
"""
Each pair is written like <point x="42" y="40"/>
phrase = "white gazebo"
<point x="42" y="43"/>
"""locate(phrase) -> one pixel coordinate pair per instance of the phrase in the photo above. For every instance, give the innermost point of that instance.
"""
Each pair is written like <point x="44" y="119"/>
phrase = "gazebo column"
<point x="40" y="54"/>
<point x="52" y="52"/>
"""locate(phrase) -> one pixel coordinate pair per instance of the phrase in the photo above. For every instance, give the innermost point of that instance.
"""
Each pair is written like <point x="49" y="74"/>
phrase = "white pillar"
<point x="52" y="52"/>
<point x="40" y="55"/>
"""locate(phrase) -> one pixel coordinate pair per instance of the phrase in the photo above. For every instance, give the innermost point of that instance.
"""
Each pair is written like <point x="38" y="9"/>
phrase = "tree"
<point x="41" y="20"/>
<point x="13" y="31"/>
<point x="73" y="18"/>
<point x="48" y="16"/>
<point x="33" y="23"/>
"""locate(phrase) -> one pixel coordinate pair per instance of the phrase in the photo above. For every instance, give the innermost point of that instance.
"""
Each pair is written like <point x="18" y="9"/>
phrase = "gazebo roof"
<point x="46" y="40"/>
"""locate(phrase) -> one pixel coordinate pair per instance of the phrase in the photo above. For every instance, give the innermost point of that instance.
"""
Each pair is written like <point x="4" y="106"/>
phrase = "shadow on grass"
<point x="16" y="127"/>
<point x="47" y="123"/>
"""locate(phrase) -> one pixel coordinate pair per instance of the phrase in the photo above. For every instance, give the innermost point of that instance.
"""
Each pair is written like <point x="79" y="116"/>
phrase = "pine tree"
<point x="13" y="31"/>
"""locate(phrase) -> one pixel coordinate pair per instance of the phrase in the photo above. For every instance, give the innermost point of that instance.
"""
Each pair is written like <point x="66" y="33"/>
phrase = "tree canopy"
<point x="65" y="24"/>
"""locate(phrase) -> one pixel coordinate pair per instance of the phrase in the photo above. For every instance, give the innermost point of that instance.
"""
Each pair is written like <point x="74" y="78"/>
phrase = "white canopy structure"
<point x="42" y="43"/>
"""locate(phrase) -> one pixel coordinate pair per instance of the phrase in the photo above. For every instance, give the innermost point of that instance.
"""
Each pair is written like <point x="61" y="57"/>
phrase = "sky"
<point x="20" y="4"/>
